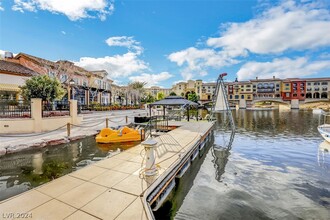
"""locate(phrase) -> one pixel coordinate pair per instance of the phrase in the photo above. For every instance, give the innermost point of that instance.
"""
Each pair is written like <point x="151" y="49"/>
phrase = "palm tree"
<point x="137" y="90"/>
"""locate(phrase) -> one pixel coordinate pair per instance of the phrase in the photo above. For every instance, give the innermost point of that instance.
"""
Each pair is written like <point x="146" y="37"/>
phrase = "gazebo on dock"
<point x="174" y="101"/>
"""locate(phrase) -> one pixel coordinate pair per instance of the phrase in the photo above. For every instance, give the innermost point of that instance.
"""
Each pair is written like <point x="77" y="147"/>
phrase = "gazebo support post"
<point x="188" y="112"/>
<point x="150" y="110"/>
<point x="197" y="114"/>
<point x="164" y="111"/>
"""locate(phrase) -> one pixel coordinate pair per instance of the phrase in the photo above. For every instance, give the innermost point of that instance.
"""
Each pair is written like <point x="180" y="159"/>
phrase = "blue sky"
<point x="162" y="42"/>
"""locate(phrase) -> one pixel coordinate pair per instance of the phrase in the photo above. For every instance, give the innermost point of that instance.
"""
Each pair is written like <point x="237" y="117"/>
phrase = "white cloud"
<point x="73" y="9"/>
<point x="124" y="41"/>
<point x="63" y="32"/>
<point x="151" y="79"/>
<point x="289" y="26"/>
<point x="1" y="8"/>
<point x="117" y="65"/>
<point x="282" y="68"/>
<point x="283" y="29"/>
<point x="198" y="60"/>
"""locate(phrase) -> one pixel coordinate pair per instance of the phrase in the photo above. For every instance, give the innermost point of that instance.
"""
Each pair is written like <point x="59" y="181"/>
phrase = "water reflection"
<point x="221" y="154"/>
<point x="323" y="156"/>
<point x="25" y="170"/>
<point x="278" y="168"/>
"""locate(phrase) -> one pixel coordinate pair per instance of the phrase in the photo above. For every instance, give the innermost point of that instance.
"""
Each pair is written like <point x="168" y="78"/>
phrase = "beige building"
<point x="154" y="90"/>
<point x="317" y="88"/>
<point x="12" y="75"/>
<point x="88" y="87"/>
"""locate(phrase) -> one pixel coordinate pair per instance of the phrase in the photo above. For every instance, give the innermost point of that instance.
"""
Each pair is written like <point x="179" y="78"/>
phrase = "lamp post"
<point x="72" y="82"/>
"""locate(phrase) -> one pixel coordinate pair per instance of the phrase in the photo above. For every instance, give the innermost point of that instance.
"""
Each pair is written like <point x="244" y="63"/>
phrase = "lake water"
<point x="22" y="171"/>
<point x="277" y="168"/>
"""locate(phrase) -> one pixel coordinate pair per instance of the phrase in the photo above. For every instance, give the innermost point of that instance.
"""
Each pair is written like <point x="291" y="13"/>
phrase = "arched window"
<point x="309" y="95"/>
<point x="316" y="95"/>
<point x="324" y="95"/>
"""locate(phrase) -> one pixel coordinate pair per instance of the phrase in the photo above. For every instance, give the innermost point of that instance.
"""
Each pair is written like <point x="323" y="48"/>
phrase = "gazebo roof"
<point x="174" y="100"/>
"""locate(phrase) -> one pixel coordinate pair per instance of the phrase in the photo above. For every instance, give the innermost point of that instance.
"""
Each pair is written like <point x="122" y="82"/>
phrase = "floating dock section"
<point x="116" y="187"/>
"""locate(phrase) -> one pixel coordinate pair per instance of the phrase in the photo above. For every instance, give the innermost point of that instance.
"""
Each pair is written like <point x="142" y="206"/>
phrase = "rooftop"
<point x="16" y="68"/>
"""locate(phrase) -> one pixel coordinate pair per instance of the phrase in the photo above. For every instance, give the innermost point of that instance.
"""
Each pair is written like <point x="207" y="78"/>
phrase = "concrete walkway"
<point x="91" y="123"/>
<point x="114" y="188"/>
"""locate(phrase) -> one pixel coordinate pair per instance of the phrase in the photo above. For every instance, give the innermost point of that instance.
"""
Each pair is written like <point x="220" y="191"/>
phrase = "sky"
<point x="162" y="42"/>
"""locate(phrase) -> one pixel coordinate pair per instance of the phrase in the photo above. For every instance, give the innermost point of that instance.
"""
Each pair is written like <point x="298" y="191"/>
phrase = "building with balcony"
<point x="266" y="88"/>
<point x="239" y="90"/>
<point x="88" y="87"/>
<point x="293" y="88"/>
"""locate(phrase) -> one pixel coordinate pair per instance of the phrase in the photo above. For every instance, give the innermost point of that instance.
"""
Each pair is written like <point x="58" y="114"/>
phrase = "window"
<point x="242" y="96"/>
<point x="287" y="94"/>
<point x="51" y="74"/>
<point x="231" y="97"/>
<point x="316" y="83"/>
<point x="294" y="95"/>
<point x="249" y="97"/>
<point x="277" y="85"/>
<point x="324" y="83"/>
<point x="308" y="84"/>
<point x="63" y="77"/>
<point x="287" y="84"/>
<point x="236" y="96"/>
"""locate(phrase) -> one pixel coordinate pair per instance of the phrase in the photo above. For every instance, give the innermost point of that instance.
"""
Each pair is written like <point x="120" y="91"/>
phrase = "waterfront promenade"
<point x="114" y="188"/>
<point x="92" y="122"/>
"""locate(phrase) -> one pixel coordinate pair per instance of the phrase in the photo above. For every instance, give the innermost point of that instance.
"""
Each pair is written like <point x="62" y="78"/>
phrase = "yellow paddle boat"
<point x="124" y="134"/>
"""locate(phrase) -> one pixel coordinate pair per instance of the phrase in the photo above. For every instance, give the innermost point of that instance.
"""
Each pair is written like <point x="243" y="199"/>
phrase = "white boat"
<point x="324" y="129"/>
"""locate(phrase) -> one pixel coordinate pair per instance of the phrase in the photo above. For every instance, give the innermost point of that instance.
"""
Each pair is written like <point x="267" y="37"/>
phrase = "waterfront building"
<point x="180" y="88"/>
<point x="89" y="86"/>
<point x="12" y="75"/>
<point x="204" y="91"/>
<point x="293" y="88"/>
<point x="100" y="87"/>
<point x="239" y="90"/>
<point x="266" y="88"/>
<point x="208" y="90"/>
<point x="154" y="90"/>
<point x="318" y="88"/>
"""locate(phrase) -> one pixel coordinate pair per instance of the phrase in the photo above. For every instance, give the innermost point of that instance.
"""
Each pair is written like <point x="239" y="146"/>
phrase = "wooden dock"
<point x="114" y="188"/>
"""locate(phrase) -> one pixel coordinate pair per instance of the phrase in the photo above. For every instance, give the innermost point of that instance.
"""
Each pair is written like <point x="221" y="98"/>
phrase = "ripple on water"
<point x="275" y="170"/>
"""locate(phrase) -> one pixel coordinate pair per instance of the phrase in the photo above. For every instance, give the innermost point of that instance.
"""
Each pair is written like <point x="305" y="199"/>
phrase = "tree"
<point x="160" y="95"/>
<point x="137" y="90"/>
<point x="148" y="99"/>
<point x="172" y="94"/>
<point x="43" y="87"/>
<point x="193" y="97"/>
